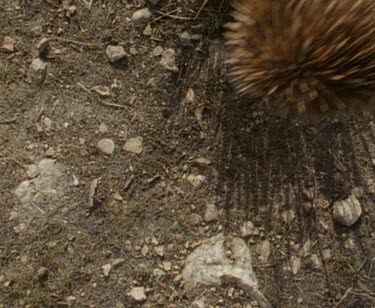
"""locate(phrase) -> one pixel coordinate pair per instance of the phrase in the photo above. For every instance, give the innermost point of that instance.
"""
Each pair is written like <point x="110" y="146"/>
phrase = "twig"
<point x="90" y="4"/>
<point x="77" y="42"/>
<point x="163" y="15"/>
<point x="113" y="105"/>
<point x="39" y="114"/>
<point x="200" y="9"/>
<point x="343" y="297"/>
<point x="93" y="186"/>
<point x="51" y="3"/>
<point x="315" y="207"/>
<point x="83" y="87"/>
<point x="8" y="121"/>
<point x="128" y="183"/>
<point x="13" y="160"/>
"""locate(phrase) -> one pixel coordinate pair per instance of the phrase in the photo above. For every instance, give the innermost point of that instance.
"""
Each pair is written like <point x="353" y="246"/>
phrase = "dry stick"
<point x="90" y="4"/>
<point x="316" y="228"/>
<point x="8" y="121"/>
<point x="112" y="104"/>
<point x="92" y="191"/>
<point x="77" y="42"/>
<point x="200" y="9"/>
<point x="100" y="100"/>
<point x="13" y="160"/>
<point x="163" y="15"/>
<point x="347" y="292"/>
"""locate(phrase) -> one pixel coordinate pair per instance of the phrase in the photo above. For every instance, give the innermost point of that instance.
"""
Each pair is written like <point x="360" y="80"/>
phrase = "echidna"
<point x="306" y="57"/>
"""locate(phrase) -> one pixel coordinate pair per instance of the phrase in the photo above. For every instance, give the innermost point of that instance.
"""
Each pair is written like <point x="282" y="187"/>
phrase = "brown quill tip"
<point x="305" y="57"/>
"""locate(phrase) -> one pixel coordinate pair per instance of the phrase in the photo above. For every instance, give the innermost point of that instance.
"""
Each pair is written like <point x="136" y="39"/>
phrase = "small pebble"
<point x="194" y="219"/>
<point x="196" y="180"/>
<point x="134" y="145"/>
<point x="103" y="128"/>
<point x="247" y="229"/>
<point x="147" y="31"/>
<point x="295" y="264"/>
<point x="185" y="38"/>
<point x="106" y="146"/>
<point x="158" y="50"/>
<point x="115" y="53"/>
<point x="264" y="250"/>
<point x="211" y="213"/>
<point x="50" y="152"/>
<point x="160" y="251"/>
<point x="315" y="262"/>
<point x="348" y="211"/>
<point x="138" y="294"/>
<point x="141" y="16"/>
<point x="8" y="44"/>
<point x="116" y="263"/>
<point x="38" y="71"/>
<point x="168" y="60"/>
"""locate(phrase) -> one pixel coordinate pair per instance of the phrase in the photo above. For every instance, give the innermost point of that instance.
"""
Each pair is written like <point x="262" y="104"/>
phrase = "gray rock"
<point x="199" y="303"/>
<point x="315" y="261"/>
<point x="106" y="146"/>
<point x="288" y="216"/>
<point x="38" y="71"/>
<point x="168" y="60"/>
<point x="32" y="171"/>
<point x="327" y="254"/>
<point x="116" y="263"/>
<point x="134" y="145"/>
<point x="306" y="248"/>
<point x="115" y="53"/>
<point x="209" y="265"/>
<point x="248" y="229"/>
<point x="196" y="180"/>
<point x="211" y="214"/>
<point x="264" y="250"/>
<point x="194" y="219"/>
<point x="160" y="250"/>
<point x="348" y="211"/>
<point x="103" y="128"/>
<point x="50" y="152"/>
<point x="47" y="123"/>
<point x="185" y="38"/>
<point x="41" y="193"/>
<point x="147" y="31"/>
<point x="141" y="16"/>
<point x="158" y="51"/>
<point x="295" y="264"/>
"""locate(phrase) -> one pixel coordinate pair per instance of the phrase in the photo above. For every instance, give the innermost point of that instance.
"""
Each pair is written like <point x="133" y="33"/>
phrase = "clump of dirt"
<point x="115" y="228"/>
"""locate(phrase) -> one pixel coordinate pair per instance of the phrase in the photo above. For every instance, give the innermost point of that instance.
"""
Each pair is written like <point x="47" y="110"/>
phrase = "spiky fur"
<point x="306" y="57"/>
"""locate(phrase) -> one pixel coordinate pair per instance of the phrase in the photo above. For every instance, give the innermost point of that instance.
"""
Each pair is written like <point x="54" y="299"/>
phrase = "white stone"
<point x="211" y="214"/>
<point x="106" y="146"/>
<point x="138" y="294"/>
<point x="168" y="60"/>
<point x="134" y="145"/>
<point x="196" y="179"/>
<point x="208" y="265"/>
<point x="115" y="53"/>
<point x="141" y="16"/>
<point x="348" y="211"/>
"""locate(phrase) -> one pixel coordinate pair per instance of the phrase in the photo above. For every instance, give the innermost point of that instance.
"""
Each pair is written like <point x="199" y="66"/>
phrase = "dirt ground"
<point x="198" y="145"/>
